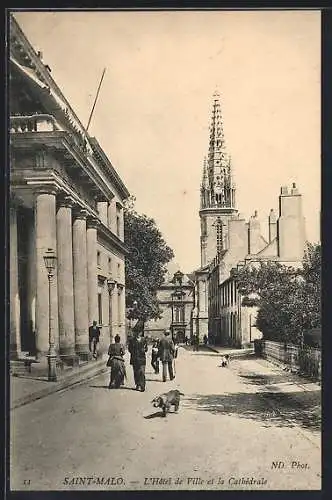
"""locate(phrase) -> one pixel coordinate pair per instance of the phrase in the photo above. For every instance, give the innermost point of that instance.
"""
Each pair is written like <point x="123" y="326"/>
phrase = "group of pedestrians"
<point x="164" y="350"/>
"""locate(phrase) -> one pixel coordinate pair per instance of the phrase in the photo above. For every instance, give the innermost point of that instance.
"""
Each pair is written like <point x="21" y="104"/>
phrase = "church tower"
<point x="217" y="191"/>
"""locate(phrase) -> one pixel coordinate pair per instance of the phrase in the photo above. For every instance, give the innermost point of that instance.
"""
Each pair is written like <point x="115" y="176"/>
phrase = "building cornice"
<point x="62" y="140"/>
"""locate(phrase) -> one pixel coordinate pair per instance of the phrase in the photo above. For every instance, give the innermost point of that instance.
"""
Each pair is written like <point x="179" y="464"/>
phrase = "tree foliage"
<point x="289" y="299"/>
<point x="145" y="264"/>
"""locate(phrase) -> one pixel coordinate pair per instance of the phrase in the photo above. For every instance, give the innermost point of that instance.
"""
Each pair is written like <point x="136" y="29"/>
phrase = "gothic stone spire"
<point x="220" y="184"/>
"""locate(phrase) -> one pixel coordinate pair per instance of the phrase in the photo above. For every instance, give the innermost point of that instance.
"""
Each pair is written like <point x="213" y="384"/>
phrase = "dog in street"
<point x="225" y="359"/>
<point x="166" y="400"/>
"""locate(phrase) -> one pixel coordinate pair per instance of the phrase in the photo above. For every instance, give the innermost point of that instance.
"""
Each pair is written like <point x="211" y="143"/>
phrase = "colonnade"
<point x="71" y="232"/>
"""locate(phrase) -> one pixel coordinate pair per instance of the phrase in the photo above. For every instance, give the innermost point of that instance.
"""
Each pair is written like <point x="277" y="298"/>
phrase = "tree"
<point x="288" y="298"/>
<point x="145" y="265"/>
<point x="311" y="274"/>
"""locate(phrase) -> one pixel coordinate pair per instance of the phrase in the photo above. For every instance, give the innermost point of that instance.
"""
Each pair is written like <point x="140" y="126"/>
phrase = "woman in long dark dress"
<point x="118" y="369"/>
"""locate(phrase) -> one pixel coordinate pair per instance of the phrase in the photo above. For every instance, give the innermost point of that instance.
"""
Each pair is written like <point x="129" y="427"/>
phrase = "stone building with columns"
<point x="229" y="241"/>
<point x="65" y="195"/>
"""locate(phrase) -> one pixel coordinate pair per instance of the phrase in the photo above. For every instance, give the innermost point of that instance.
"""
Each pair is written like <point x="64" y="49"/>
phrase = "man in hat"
<point x="138" y="347"/>
<point x="166" y="355"/>
<point x="94" y="334"/>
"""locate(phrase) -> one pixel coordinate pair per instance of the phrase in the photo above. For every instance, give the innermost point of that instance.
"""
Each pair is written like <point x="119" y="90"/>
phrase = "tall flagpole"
<point x="94" y="104"/>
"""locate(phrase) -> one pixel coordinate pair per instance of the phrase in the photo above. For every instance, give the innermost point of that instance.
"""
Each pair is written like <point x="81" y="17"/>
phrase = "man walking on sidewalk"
<point x="94" y="334"/>
<point x="138" y="347"/>
<point x="166" y="355"/>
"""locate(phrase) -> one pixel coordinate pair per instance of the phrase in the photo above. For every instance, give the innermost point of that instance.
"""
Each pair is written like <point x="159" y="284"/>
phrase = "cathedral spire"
<point x="217" y="191"/>
<point x="219" y="164"/>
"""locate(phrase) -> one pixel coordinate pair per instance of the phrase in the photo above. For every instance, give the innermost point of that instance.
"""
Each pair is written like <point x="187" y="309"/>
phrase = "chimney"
<point x="272" y="225"/>
<point x="291" y="225"/>
<point x="254" y="234"/>
<point x="294" y="189"/>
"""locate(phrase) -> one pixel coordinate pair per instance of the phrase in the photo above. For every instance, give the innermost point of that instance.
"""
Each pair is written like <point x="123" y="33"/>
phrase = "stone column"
<point x="15" y="334"/>
<point x="45" y="224"/>
<point x="91" y="240"/>
<point x="80" y="284"/>
<point x="65" y="280"/>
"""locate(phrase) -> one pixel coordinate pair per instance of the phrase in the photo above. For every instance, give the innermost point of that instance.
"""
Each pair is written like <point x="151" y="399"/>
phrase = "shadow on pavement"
<point x="275" y="378"/>
<point x="156" y="414"/>
<point x="99" y="386"/>
<point x="281" y="409"/>
<point x="113" y="389"/>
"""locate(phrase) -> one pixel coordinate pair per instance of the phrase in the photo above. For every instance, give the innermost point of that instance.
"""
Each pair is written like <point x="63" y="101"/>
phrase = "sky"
<point x="154" y="108"/>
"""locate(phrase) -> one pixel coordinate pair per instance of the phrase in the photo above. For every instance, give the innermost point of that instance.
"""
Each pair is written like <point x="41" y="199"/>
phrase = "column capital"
<point x="63" y="200"/>
<point x="80" y="213"/>
<point x="46" y="189"/>
<point x="92" y="222"/>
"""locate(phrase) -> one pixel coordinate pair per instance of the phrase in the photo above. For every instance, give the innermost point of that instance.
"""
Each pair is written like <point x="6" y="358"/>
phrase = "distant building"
<point x="228" y="241"/>
<point x="176" y="299"/>
<point x="65" y="196"/>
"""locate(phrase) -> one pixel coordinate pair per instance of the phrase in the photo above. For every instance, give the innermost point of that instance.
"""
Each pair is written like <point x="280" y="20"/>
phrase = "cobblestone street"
<point x="247" y="426"/>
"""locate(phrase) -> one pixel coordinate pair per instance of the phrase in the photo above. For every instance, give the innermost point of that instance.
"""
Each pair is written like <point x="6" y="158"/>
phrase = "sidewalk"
<point x="281" y="380"/>
<point x="27" y="388"/>
<point x="288" y="381"/>
<point x="232" y="351"/>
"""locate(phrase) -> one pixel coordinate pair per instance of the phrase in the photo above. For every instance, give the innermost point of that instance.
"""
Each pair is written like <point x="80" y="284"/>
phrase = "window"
<point x="119" y="271"/>
<point x="204" y="227"/>
<point x="98" y="259"/>
<point x="179" y="314"/>
<point x="219" y="230"/>
<point x="110" y="266"/>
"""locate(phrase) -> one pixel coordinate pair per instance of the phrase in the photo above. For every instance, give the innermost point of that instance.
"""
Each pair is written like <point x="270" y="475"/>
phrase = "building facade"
<point x="66" y="196"/>
<point x="231" y="318"/>
<point x="228" y="241"/>
<point x="176" y="299"/>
